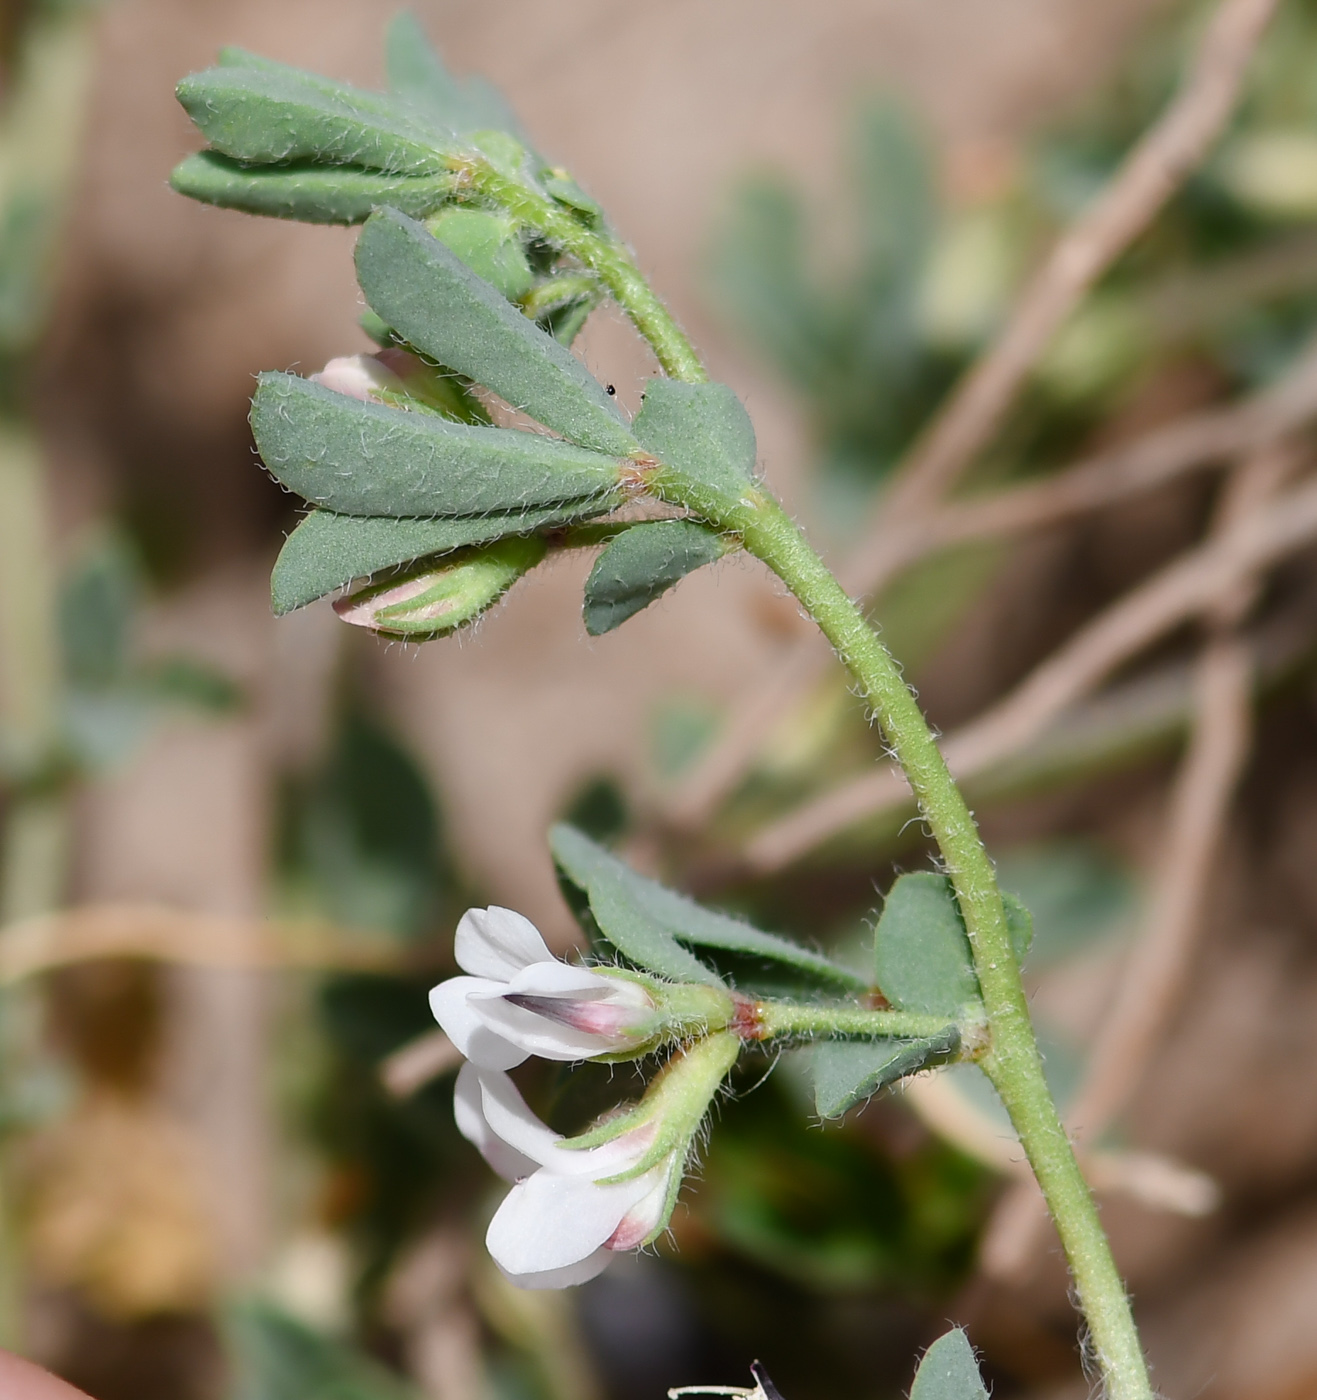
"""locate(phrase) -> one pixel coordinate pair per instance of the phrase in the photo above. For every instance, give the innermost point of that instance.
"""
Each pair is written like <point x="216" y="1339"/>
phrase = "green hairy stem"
<point x="604" y="256"/>
<point x="789" y="1018"/>
<point x="1009" y="1051"/>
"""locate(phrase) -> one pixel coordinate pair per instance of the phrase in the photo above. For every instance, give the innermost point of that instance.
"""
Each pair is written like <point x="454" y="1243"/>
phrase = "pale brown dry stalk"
<point x="414" y="1064"/>
<point x="1182" y="590"/>
<point x="1197" y="810"/>
<point x="1191" y="443"/>
<point x="1150" y="174"/>
<point x="1195" y="441"/>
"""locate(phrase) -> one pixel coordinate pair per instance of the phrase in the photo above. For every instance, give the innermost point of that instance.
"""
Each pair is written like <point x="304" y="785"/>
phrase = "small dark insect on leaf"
<point x="612" y="391"/>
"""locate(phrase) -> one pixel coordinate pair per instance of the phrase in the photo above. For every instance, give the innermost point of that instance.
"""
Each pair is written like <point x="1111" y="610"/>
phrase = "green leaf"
<point x="922" y="958"/>
<point x="1078" y="896"/>
<point x="369" y="459"/>
<point x="364" y="832"/>
<point x="566" y="191"/>
<point x="760" y="281"/>
<point x="640" y="564"/>
<point x="648" y="923"/>
<point x="98" y="603"/>
<point x="276" y="1357"/>
<point x="181" y="680"/>
<point x="272" y="114"/>
<point x="898" y="211"/>
<point x="847" y="1072"/>
<point x="328" y="551"/>
<point x="436" y="303"/>
<point x="701" y="429"/>
<point x="417" y="74"/>
<point x="306" y="190"/>
<point x="489" y="244"/>
<point x="949" y="1371"/>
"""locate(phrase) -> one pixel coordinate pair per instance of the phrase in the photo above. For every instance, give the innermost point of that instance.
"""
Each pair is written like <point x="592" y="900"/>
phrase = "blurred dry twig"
<point x="418" y="1062"/>
<point x="1176" y="593"/>
<point x="1146" y="179"/>
<point x="37" y="945"/>
<point x="1197" y="810"/>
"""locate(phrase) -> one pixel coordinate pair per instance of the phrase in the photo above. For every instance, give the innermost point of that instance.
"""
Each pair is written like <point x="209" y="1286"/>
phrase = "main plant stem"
<point x="1010" y="1054"/>
<point x="1011" y="1058"/>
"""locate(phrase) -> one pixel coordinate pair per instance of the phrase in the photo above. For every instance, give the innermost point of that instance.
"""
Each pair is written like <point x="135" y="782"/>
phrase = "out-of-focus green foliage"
<point x="853" y="344"/>
<point x="276" y="1357"/>
<point x="362" y="837"/>
<point x="832" y="1209"/>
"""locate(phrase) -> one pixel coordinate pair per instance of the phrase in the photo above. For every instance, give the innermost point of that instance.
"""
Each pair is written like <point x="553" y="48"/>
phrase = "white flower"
<point x="520" y="1001"/>
<point x="568" y="1213"/>
<point x="360" y="377"/>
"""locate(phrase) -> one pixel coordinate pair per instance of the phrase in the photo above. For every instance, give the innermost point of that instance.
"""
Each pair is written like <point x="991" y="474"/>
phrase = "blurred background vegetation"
<point x="234" y="851"/>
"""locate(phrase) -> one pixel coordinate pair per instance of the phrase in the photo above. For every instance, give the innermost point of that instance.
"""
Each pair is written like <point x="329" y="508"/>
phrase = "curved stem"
<point x="1010" y="1059"/>
<point x="1010" y="1055"/>
<point x="604" y="256"/>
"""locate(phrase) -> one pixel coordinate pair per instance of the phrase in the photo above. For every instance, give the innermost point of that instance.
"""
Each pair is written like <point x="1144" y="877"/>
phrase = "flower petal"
<point x="556" y="979"/>
<point x="550" y="1221"/>
<point x="540" y="1032"/>
<point x="507" y="1115"/>
<point x="468" y="1029"/>
<point x="538" y="1035"/>
<point x="566" y="1277"/>
<point x="643" y="1219"/>
<point x="471" y="1123"/>
<point x="497" y="943"/>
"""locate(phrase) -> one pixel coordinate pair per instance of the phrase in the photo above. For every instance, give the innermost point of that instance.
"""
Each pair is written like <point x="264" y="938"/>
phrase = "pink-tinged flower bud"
<point x="437" y="598"/>
<point x="365" y="377"/>
<point x="608" y="1019"/>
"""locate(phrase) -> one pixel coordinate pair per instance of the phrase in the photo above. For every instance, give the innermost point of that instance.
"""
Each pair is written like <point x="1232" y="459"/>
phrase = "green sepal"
<point x="677" y="1099"/>
<point x="702" y="430"/>
<point x="272" y="114"/>
<point x="649" y="924"/>
<point x="307" y="190"/>
<point x="922" y="957"/>
<point x="361" y="458"/>
<point x="438" y="596"/>
<point x="949" y="1371"/>
<point x="642" y="563"/>
<point x="437" y="304"/>
<point x="562" y="188"/>
<point x="489" y="244"/>
<point x="328" y="551"/>
<point x="417" y="74"/>
<point x="847" y="1072"/>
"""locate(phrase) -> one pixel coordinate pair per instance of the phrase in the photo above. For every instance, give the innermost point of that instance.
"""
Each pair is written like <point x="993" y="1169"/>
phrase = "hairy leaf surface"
<point x="327" y="551"/>
<point x="641" y="564"/>
<point x="270" y="113"/>
<point x="436" y="303"/>
<point x="922" y="958"/>
<point x="369" y="459"/>
<point x="949" y="1371"/>
<point x="702" y="429"/>
<point x="307" y="190"/>
<point x="649" y="917"/>
<point x="847" y="1072"/>
<point x="417" y="73"/>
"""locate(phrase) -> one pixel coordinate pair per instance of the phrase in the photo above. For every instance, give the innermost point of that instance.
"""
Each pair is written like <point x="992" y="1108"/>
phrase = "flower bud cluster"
<point x="577" y="1201"/>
